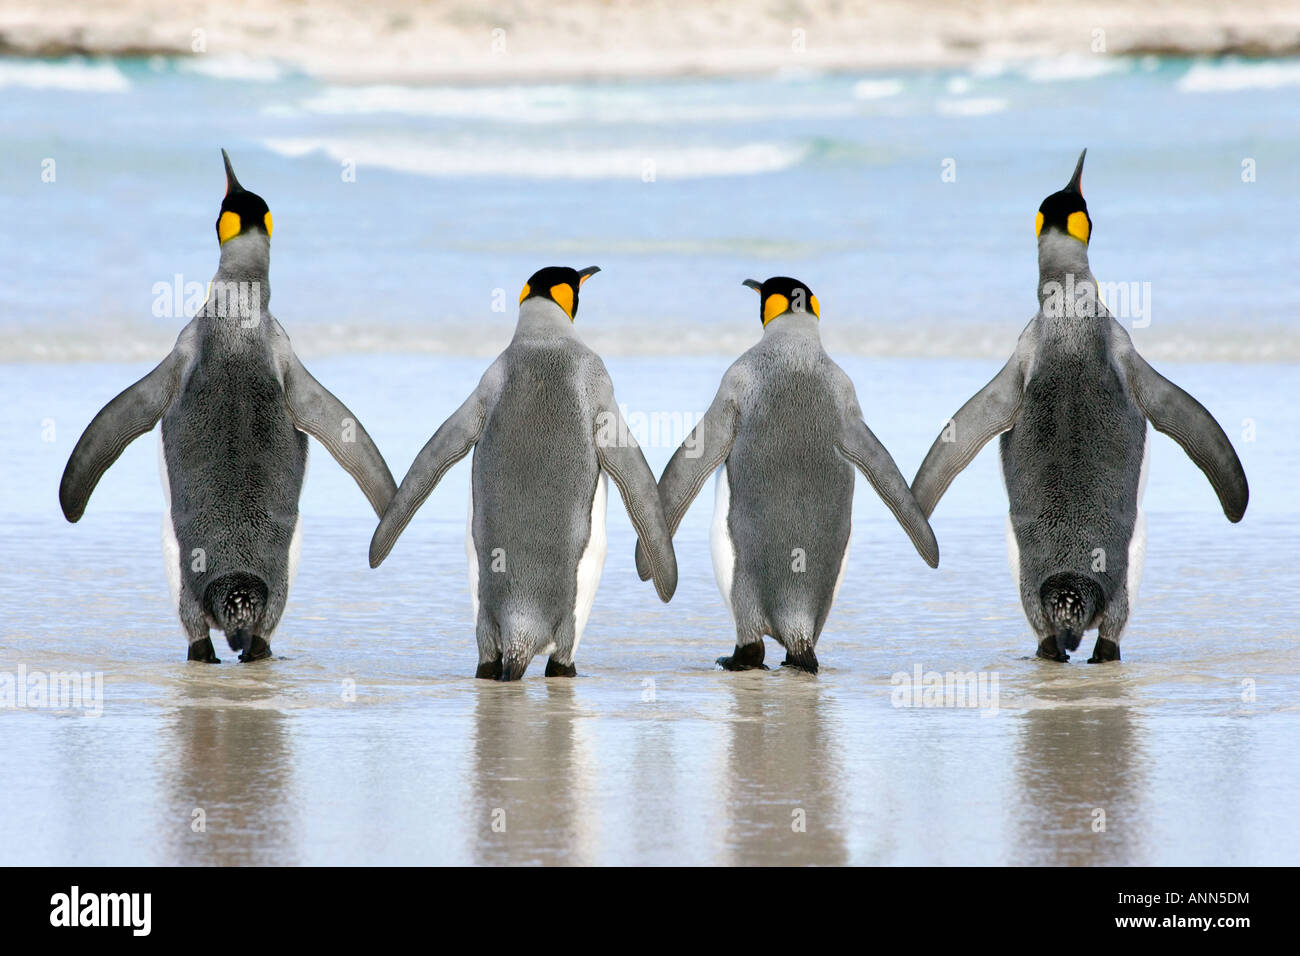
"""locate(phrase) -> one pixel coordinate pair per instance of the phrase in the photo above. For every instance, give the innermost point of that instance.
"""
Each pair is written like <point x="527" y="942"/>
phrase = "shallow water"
<point x="367" y="741"/>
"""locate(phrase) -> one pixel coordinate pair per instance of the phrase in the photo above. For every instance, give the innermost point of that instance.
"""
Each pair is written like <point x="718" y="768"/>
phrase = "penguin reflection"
<point x="1080" y="770"/>
<point x="782" y="790"/>
<point x="231" y="787"/>
<point x="533" y="798"/>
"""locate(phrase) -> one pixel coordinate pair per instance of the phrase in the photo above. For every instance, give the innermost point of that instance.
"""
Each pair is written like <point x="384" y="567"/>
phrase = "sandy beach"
<point x="462" y="40"/>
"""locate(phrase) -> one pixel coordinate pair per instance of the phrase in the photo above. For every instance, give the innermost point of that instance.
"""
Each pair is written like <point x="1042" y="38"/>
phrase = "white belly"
<point x="170" y="546"/>
<point x="592" y="561"/>
<point x="1013" y="546"/>
<point x="721" y="546"/>
<point x="471" y="553"/>
<point x="295" y="543"/>
<point x="844" y="564"/>
<point x="1013" y="553"/>
<point x="1137" y="545"/>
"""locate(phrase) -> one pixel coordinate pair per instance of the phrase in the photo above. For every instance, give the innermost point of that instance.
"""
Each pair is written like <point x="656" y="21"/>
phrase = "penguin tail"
<point x="1071" y="602"/>
<point x="521" y="638"/>
<point x="236" y="602"/>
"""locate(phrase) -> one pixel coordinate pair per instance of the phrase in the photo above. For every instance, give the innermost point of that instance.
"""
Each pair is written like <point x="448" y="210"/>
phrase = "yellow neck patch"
<point x="562" y="293"/>
<point x="1077" y="226"/>
<point x="229" y="226"/>
<point x="524" y="294"/>
<point x="775" y="305"/>
<point x="266" y="221"/>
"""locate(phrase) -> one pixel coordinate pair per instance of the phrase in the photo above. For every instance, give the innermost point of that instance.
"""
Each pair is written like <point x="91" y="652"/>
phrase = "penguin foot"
<point x="202" y="651"/>
<point x="1104" y="651"/>
<point x="555" y="669"/>
<point x="489" y="670"/>
<point x="746" y="657"/>
<point x="256" y="650"/>
<point x="1049" y="651"/>
<point x="804" y="660"/>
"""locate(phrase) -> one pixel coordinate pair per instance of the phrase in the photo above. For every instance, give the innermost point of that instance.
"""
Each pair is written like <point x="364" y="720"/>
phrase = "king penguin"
<point x="545" y="431"/>
<point x="1072" y="407"/>
<point x="784" y="433"/>
<point x="236" y="407"/>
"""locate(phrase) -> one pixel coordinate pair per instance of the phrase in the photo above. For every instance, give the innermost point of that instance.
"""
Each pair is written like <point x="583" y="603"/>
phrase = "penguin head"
<point x="781" y="294"/>
<point x="242" y="212"/>
<point x="1065" y="211"/>
<point x="560" y="284"/>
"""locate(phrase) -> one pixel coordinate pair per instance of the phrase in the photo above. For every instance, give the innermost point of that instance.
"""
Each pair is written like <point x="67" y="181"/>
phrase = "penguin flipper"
<point x="449" y="444"/>
<point x="700" y="454"/>
<point x="624" y="462"/>
<point x="990" y="411"/>
<point x="128" y="416"/>
<point x="1186" y="421"/>
<point x="317" y="412"/>
<point x="863" y="449"/>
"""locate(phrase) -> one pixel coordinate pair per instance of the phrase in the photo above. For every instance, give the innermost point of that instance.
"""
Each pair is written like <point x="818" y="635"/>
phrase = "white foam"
<point x="549" y="104"/>
<point x="488" y="158"/>
<point x="1231" y="77"/>
<point x="234" y="66"/>
<point x="70" y="76"/>
<point x="1076" y="67"/>
<point x="876" y="89"/>
<point x="972" y="106"/>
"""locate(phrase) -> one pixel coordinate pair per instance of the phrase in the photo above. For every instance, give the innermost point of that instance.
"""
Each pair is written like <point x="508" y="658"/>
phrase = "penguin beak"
<point x="753" y="284"/>
<point x="587" y="273"/>
<point x="1076" y="181"/>
<point x="232" y="184"/>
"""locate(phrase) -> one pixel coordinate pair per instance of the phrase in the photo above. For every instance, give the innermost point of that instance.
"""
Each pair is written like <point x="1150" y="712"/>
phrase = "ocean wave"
<point x="1231" y="76"/>
<point x="876" y="89"/>
<point x="549" y="104"/>
<point x="513" y="161"/>
<point x="972" y="106"/>
<point x="1077" y="67"/>
<point x="76" y="76"/>
<point x="234" y="66"/>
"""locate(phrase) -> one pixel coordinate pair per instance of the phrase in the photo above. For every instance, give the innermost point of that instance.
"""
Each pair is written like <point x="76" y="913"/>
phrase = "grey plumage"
<point x="236" y="407"/>
<point x="1072" y="406"/>
<point x="537" y="423"/>
<point x="784" y="433"/>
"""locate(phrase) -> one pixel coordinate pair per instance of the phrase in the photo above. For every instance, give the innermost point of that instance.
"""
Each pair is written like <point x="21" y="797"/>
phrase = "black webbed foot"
<point x="203" y="652"/>
<point x="746" y="657"/>
<point x="1048" y="650"/>
<point x="1104" y="651"/>
<point x="555" y="669"/>
<point x="489" y="670"/>
<point x="255" y="650"/>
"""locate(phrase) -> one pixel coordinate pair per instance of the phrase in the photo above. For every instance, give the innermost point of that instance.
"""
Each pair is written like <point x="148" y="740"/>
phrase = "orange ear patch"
<point x="562" y="293"/>
<point x="228" y="226"/>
